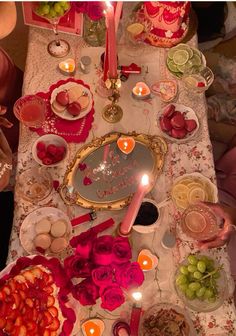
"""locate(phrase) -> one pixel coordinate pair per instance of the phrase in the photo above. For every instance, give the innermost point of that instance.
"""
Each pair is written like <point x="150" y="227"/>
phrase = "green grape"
<point x="212" y="299"/>
<point x="184" y="270"/>
<point x="194" y="286"/>
<point x="197" y="275"/>
<point x="52" y="12"/>
<point x="63" y="3"/>
<point x="66" y="6"/>
<point x="39" y="10"/>
<point x="208" y="293"/>
<point x="192" y="268"/>
<point x="190" y="294"/>
<point x="61" y="12"/>
<point x="192" y="259"/>
<point x="183" y="287"/>
<point x="57" y="7"/>
<point x="200" y="292"/>
<point x="45" y="9"/>
<point x="216" y="275"/>
<point x="201" y="266"/>
<point x="181" y="279"/>
<point x="210" y="266"/>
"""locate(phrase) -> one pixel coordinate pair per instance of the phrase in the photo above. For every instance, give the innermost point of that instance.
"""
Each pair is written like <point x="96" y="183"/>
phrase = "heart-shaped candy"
<point x="141" y="91"/>
<point x="93" y="327"/>
<point x="67" y="66"/>
<point x="82" y="166"/>
<point x="166" y="89"/>
<point x="87" y="181"/>
<point x="126" y="144"/>
<point x="147" y="260"/>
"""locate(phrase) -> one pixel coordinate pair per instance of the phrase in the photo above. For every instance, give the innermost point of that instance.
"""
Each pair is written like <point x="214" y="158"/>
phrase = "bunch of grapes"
<point x="51" y="9"/>
<point x="197" y="279"/>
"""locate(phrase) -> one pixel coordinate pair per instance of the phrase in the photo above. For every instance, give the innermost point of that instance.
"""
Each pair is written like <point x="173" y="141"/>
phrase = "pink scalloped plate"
<point x="72" y="131"/>
<point x="37" y="292"/>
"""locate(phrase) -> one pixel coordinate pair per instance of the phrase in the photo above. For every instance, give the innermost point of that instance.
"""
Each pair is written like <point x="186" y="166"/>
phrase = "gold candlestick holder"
<point x="113" y="113"/>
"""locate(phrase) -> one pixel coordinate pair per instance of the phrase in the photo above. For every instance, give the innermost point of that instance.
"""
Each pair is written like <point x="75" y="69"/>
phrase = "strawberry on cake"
<point x="166" y="22"/>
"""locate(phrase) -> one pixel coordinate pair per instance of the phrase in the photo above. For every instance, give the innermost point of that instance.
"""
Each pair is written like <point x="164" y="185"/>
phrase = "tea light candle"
<point x="131" y="214"/>
<point x="141" y="91"/>
<point x="136" y="314"/>
<point x="84" y="64"/>
<point x="67" y="67"/>
<point x="126" y="144"/>
<point x="147" y="260"/>
<point x="93" y="327"/>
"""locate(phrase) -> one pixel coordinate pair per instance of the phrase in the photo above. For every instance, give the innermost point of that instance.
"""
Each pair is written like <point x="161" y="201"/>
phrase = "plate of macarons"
<point x="71" y="101"/>
<point x="46" y="231"/>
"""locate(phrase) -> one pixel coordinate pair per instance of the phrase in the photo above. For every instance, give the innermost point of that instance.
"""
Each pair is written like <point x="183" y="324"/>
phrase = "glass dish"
<point x="34" y="184"/>
<point x="178" y="324"/>
<point x="198" y="80"/>
<point x="205" y="305"/>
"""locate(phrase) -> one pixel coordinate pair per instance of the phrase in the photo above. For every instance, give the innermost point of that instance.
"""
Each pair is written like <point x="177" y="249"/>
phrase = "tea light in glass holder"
<point x="67" y="67"/>
<point x="93" y="327"/>
<point x="141" y="91"/>
<point x="126" y="144"/>
<point x="147" y="260"/>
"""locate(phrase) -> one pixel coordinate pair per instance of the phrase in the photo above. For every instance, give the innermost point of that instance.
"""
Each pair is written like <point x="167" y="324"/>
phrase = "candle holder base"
<point x="122" y="234"/>
<point x="102" y="90"/>
<point x="60" y="50"/>
<point x="112" y="113"/>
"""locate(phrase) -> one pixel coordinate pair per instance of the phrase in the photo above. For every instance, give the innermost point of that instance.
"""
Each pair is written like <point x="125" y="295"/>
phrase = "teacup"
<point x="148" y="218"/>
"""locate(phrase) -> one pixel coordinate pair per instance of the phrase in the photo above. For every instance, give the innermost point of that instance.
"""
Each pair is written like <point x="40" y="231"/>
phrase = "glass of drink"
<point x="200" y="223"/>
<point x="198" y="80"/>
<point x="30" y="110"/>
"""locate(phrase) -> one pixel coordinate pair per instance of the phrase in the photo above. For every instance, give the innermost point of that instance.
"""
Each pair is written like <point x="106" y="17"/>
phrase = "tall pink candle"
<point x="118" y="11"/>
<point x="105" y="66"/>
<point x="112" y="55"/>
<point x="134" y="206"/>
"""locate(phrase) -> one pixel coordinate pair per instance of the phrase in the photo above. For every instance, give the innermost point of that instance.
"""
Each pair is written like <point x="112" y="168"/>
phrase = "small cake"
<point x="167" y="22"/>
<point x="58" y="245"/>
<point x="74" y="93"/>
<point x="83" y="101"/>
<point x="58" y="107"/>
<point x="42" y="241"/>
<point x="43" y="226"/>
<point x="58" y="228"/>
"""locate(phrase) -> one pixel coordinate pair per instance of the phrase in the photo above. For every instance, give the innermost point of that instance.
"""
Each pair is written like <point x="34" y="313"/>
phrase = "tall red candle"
<point x="135" y="314"/>
<point x="111" y="33"/>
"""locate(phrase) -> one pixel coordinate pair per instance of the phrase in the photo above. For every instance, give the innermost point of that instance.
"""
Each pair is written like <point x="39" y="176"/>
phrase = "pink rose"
<point x="102" y="276"/>
<point x="112" y="297"/>
<point x="77" y="267"/>
<point x="84" y="250"/>
<point x="121" y="250"/>
<point x="129" y="276"/>
<point x="86" y="292"/>
<point x="102" y="250"/>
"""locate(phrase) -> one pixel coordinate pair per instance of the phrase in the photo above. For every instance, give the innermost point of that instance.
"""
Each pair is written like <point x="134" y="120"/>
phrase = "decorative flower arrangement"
<point x="104" y="263"/>
<point x="94" y="9"/>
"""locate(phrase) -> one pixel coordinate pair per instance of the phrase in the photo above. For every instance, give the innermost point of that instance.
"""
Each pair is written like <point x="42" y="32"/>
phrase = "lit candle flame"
<point x="67" y="66"/>
<point x="145" y="262"/>
<point x="140" y="90"/>
<point x="137" y="296"/>
<point x="145" y="180"/>
<point x="125" y="145"/>
<point x="92" y="331"/>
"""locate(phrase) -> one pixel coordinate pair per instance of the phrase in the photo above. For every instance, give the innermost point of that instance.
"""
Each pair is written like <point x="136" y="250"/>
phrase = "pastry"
<point x="58" y="228"/>
<point x="43" y="226"/>
<point x="42" y="241"/>
<point x="58" y="107"/>
<point x="74" y="93"/>
<point x="83" y="101"/>
<point x="58" y="245"/>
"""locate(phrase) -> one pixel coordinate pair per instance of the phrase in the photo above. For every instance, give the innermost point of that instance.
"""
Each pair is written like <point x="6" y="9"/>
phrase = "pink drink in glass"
<point x="30" y="110"/>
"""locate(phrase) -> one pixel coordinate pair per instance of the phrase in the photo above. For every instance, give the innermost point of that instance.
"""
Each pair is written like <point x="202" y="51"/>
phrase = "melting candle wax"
<point x="147" y="260"/>
<point x="93" y="327"/>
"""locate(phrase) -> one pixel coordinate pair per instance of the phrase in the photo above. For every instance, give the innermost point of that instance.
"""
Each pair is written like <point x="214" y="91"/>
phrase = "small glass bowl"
<point x="200" y="223"/>
<point x="198" y="80"/>
<point x="200" y="305"/>
<point x="34" y="184"/>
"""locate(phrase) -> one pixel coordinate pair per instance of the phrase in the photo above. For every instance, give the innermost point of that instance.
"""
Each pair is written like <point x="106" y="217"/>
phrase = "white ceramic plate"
<point x="27" y="230"/>
<point x="204" y="179"/>
<point x="65" y="115"/>
<point x="190" y="114"/>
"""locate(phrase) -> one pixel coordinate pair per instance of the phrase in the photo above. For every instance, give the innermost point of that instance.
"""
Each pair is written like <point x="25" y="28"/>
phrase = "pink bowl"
<point x="30" y="110"/>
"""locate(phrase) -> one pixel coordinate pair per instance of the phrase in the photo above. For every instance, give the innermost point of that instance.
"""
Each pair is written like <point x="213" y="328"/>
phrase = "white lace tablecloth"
<point x="193" y="156"/>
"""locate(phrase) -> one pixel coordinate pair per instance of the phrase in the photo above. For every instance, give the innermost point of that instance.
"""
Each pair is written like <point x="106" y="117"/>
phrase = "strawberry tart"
<point x="166" y="22"/>
<point x="32" y="299"/>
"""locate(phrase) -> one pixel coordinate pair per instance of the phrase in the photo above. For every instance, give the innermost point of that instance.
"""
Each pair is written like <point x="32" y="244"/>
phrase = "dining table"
<point x="141" y="116"/>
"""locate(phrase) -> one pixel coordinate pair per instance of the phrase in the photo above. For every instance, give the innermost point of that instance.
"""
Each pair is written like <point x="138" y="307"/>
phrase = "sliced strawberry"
<point x="21" y="305"/>
<point x="55" y="325"/>
<point x="41" y="155"/>
<point x="178" y="133"/>
<point x="18" y="321"/>
<point x="29" y="302"/>
<point x="17" y="299"/>
<point x="12" y="314"/>
<point x="21" y="330"/>
<point x="45" y="277"/>
<point x="12" y="285"/>
<point x="20" y="278"/>
<point x="31" y="326"/>
<point x="37" y="272"/>
<point x="165" y="124"/>
<point x="49" y="317"/>
<point x="2" y="322"/>
<point x="177" y="121"/>
<point x="190" y="125"/>
<point x="169" y="111"/>
<point x="53" y="311"/>
<point x="43" y="322"/>
<point x="41" y="146"/>
<point x="9" y="326"/>
<point x="29" y="276"/>
<point x="4" y="307"/>
<point x="50" y="279"/>
<point x="22" y="294"/>
<point x="2" y="295"/>
<point x="34" y="314"/>
<point x="48" y="289"/>
<point x="50" y="301"/>
<point x="7" y="290"/>
<point x="47" y="332"/>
